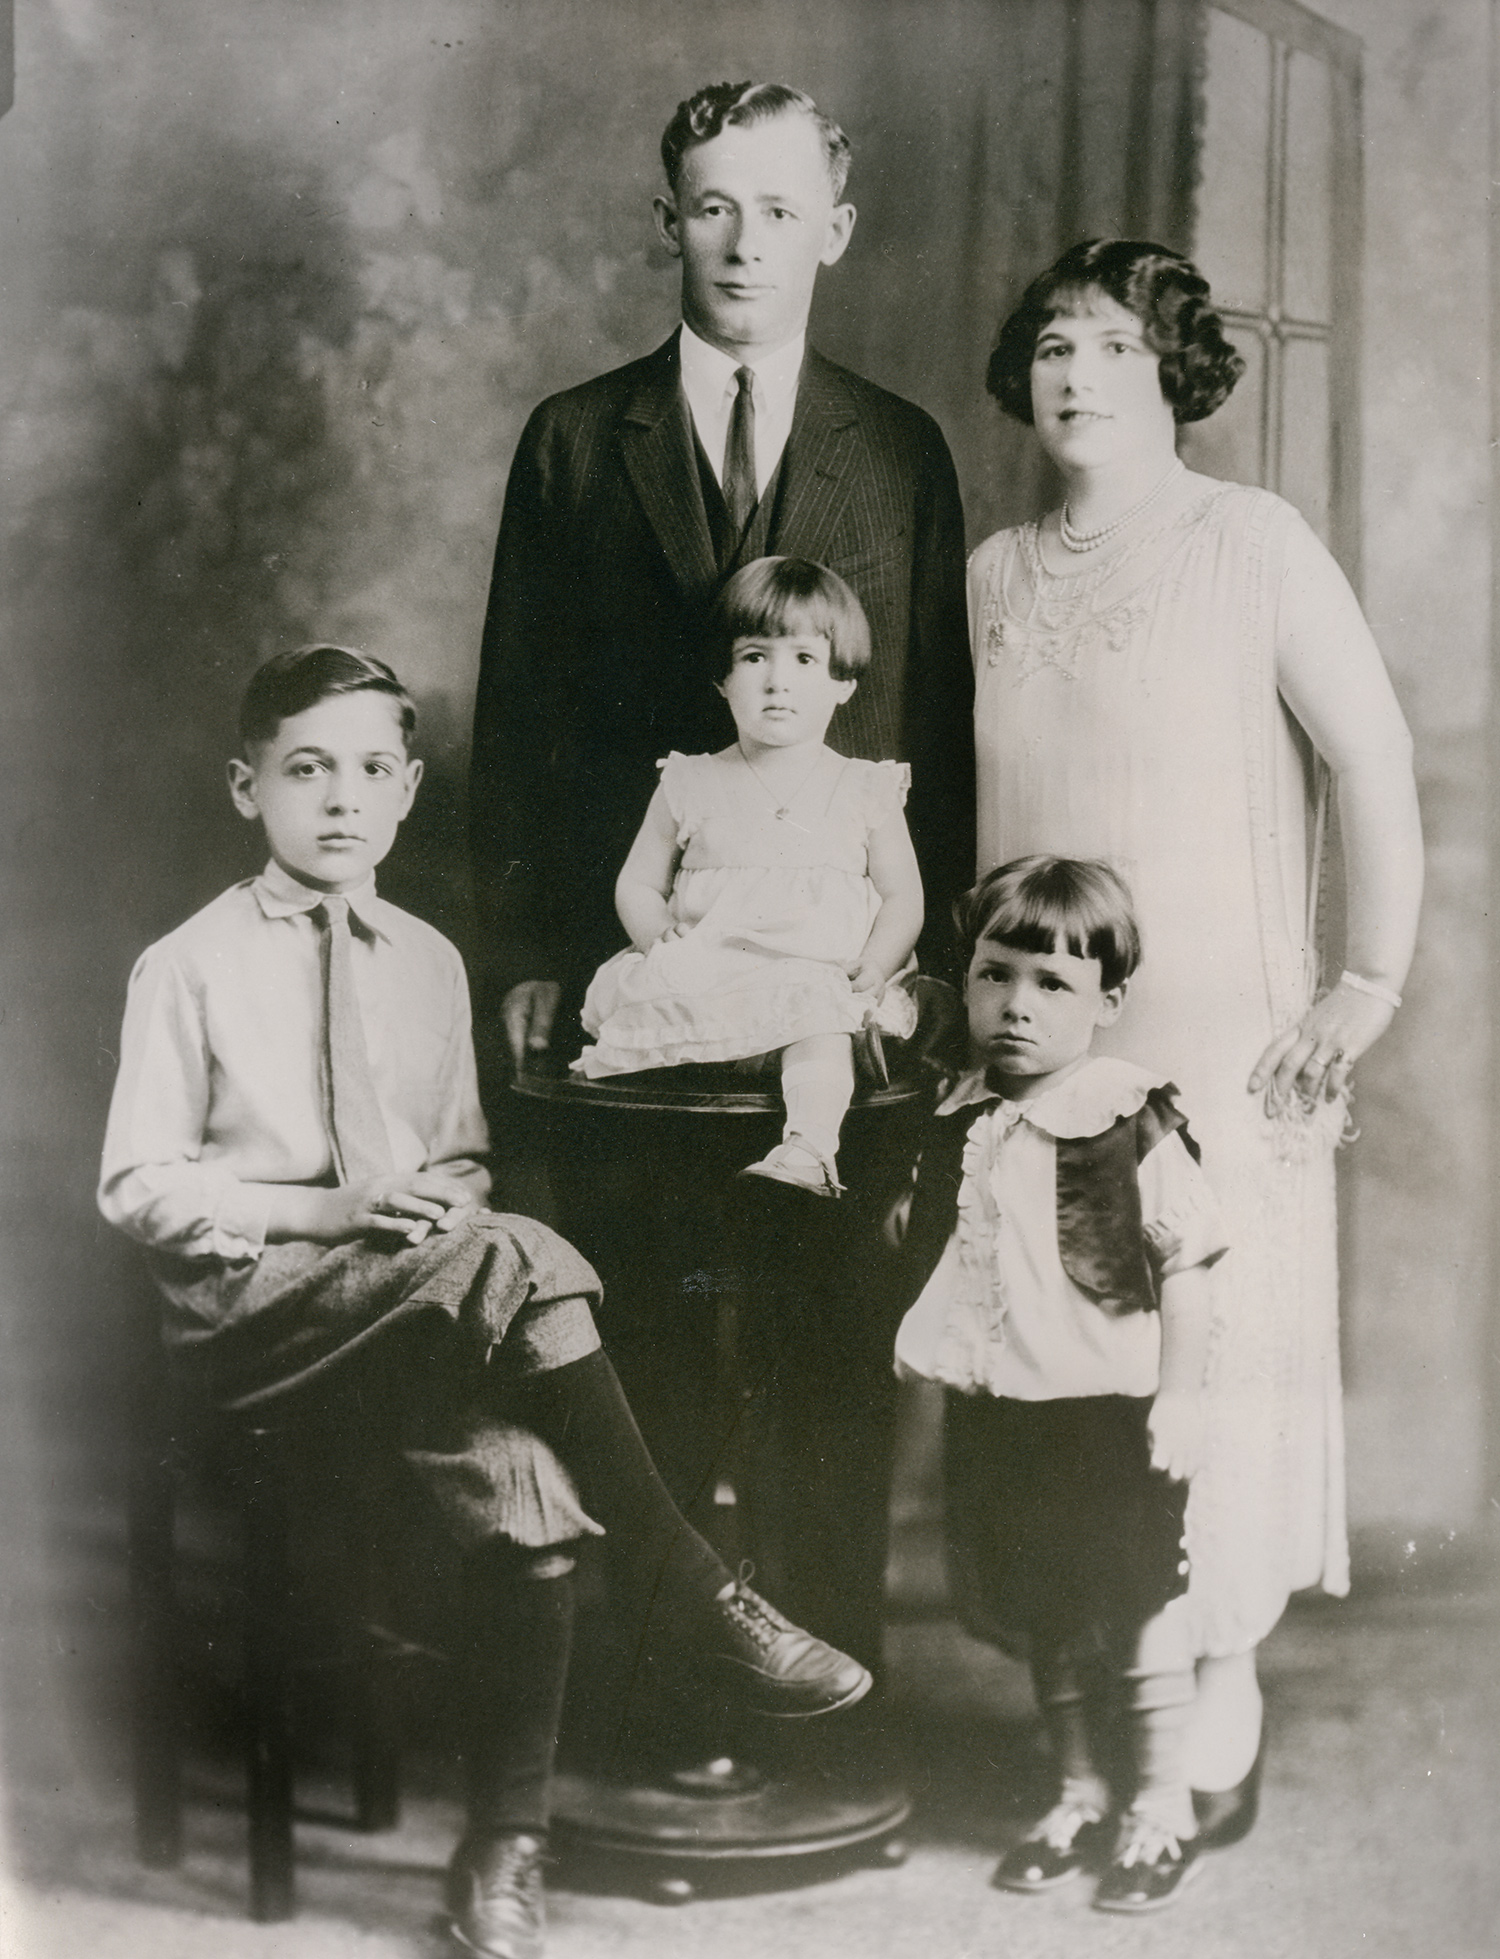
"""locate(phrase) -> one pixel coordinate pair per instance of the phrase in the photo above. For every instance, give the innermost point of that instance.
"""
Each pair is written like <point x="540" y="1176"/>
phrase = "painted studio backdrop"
<point x="280" y="282"/>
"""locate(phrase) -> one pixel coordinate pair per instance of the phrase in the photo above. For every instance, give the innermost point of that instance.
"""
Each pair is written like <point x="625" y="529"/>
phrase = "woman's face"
<point x="1096" y="387"/>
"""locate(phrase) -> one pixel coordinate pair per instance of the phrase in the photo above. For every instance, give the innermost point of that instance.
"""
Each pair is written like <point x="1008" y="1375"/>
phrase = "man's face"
<point x="752" y="219"/>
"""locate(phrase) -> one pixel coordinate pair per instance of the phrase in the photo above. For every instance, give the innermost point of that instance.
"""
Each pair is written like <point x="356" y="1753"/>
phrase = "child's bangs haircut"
<point x="780" y="598"/>
<point x="1054" y="904"/>
<point x="290" y="683"/>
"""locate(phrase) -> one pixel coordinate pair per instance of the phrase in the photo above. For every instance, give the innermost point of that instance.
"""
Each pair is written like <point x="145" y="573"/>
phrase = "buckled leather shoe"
<point x="494" y="1896"/>
<point x="780" y="1669"/>
<point x="797" y="1161"/>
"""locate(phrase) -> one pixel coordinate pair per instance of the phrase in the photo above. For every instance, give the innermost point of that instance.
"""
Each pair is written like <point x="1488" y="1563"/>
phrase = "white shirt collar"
<point x="1085" y="1103"/>
<point x="710" y="371"/>
<point x="280" y="895"/>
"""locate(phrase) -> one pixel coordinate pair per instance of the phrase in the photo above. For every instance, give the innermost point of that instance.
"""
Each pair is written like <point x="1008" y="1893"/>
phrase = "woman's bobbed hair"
<point x="1166" y="293"/>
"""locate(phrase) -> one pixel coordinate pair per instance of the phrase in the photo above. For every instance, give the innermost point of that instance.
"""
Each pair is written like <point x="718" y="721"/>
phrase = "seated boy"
<point x="296" y="1137"/>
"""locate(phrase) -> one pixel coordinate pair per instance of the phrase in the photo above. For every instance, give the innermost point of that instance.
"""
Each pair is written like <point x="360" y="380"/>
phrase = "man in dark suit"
<point x="619" y="528"/>
<point x="631" y="499"/>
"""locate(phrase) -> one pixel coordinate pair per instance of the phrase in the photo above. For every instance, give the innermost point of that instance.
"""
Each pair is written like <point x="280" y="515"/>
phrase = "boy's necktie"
<point x="361" y="1148"/>
<point x="740" y="496"/>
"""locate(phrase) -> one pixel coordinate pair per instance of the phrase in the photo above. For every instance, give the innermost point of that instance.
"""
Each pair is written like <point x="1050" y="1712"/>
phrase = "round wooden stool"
<point x="743" y="1317"/>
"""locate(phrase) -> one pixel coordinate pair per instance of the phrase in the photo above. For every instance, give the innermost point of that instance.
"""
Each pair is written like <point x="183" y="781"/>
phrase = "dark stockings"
<point x="1068" y="1693"/>
<point x="516" y="1636"/>
<point x="580" y="1412"/>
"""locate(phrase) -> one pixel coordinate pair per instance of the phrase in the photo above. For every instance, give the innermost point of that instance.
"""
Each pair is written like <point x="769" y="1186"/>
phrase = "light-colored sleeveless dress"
<point x="1131" y="712"/>
<point x="778" y="905"/>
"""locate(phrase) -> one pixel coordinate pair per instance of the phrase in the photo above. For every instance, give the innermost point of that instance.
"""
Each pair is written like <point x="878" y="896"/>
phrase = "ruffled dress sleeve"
<point x="683" y="787"/>
<point x="883" y="789"/>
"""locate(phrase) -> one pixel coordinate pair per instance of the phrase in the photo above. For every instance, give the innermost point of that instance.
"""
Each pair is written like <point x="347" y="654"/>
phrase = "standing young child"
<point x="295" y="1136"/>
<point x="1057" y="1253"/>
<point x="772" y="893"/>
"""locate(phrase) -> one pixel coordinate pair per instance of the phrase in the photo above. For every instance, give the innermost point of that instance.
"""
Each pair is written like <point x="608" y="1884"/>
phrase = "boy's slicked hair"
<point x="722" y="105"/>
<point x="1054" y="904"/>
<point x="775" y="598"/>
<point x="290" y="683"/>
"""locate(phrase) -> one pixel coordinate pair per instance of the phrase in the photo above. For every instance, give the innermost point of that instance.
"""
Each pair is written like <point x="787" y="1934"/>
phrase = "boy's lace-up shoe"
<point x="1151" y="1865"/>
<point x="780" y="1669"/>
<point x="1067" y="1839"/>
<point x="494" y="1896"/>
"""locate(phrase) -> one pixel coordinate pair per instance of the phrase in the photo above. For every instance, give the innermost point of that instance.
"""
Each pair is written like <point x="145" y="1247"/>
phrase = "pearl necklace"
<point x="1088" y="540"/>
<point x="783" y="810"/>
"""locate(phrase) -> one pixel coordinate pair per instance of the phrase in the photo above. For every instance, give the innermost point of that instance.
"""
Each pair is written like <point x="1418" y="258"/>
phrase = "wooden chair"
<point x="164" y="1437"/>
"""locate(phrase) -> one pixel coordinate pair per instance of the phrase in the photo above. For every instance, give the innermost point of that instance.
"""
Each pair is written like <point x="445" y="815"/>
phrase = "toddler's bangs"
<point x="1055" y="904"/>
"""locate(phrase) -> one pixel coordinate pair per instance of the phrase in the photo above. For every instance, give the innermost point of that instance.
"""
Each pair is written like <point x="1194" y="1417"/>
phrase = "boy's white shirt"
<point x="218" y="1096"/>
<point x="999" y="1315"/>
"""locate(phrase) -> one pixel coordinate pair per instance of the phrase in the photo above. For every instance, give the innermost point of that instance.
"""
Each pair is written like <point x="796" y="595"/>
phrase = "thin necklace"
<point x="1073" y="540"/>
<point x="783" y="810"/>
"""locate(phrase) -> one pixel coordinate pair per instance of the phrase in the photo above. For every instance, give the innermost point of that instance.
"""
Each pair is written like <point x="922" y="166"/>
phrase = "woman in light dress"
<point x="1173" y="674"/>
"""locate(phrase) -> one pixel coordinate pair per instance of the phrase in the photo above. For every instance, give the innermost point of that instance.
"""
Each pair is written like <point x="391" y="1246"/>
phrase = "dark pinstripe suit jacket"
<point x="592" y="666"/>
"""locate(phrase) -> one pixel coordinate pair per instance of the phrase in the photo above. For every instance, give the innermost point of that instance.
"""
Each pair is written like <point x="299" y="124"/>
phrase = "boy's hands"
<point x="408" y="1207"/>
<point x="1175" y="1427"/>
<point x="402" y="1209"/>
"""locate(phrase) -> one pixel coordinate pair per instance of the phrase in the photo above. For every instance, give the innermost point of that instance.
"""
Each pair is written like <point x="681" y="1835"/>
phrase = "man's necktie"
<point x="361" y="1148"/>
<point x="740" y="496"/>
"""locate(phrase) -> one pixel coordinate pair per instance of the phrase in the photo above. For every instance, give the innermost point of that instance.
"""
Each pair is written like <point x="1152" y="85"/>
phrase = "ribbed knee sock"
<point x="580" y="1411"/>
<point x="1062" y="1693"/>
<point x="1159" y="1706"/>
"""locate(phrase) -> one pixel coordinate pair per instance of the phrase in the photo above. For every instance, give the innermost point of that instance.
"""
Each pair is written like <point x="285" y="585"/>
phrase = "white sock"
<point x="817" y="1096"/>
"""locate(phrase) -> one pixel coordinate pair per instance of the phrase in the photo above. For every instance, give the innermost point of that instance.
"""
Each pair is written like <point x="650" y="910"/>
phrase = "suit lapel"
<point x="818" y="463"/>
<point x="656" y="442"/>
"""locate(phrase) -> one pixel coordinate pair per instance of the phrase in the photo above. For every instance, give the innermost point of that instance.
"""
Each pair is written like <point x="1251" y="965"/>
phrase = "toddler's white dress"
<point x="779" y="902"/>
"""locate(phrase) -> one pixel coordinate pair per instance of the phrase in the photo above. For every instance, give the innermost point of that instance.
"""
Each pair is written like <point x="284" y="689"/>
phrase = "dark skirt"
<point x="1059" y="1529"/>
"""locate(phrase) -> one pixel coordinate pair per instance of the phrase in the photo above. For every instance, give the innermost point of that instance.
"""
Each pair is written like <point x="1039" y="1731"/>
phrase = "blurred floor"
<point x="1380" y="1817"/>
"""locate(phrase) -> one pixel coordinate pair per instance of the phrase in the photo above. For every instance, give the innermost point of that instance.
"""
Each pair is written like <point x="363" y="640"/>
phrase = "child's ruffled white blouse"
<point x="1000" y="1315"/>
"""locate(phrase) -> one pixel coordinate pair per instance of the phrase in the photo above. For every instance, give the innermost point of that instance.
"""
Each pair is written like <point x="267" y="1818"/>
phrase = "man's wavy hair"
<point x="1166" y="293"/>
<point x="725" y="105"/>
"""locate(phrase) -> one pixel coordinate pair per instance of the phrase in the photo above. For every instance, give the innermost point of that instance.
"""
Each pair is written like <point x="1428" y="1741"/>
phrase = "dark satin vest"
<point x="1100" y="1231"/>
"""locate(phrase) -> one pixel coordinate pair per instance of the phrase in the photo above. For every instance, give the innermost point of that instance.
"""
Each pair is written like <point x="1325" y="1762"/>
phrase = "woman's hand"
<point x="1175" y="1427"/>
<point x="1313" y="1059"/>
